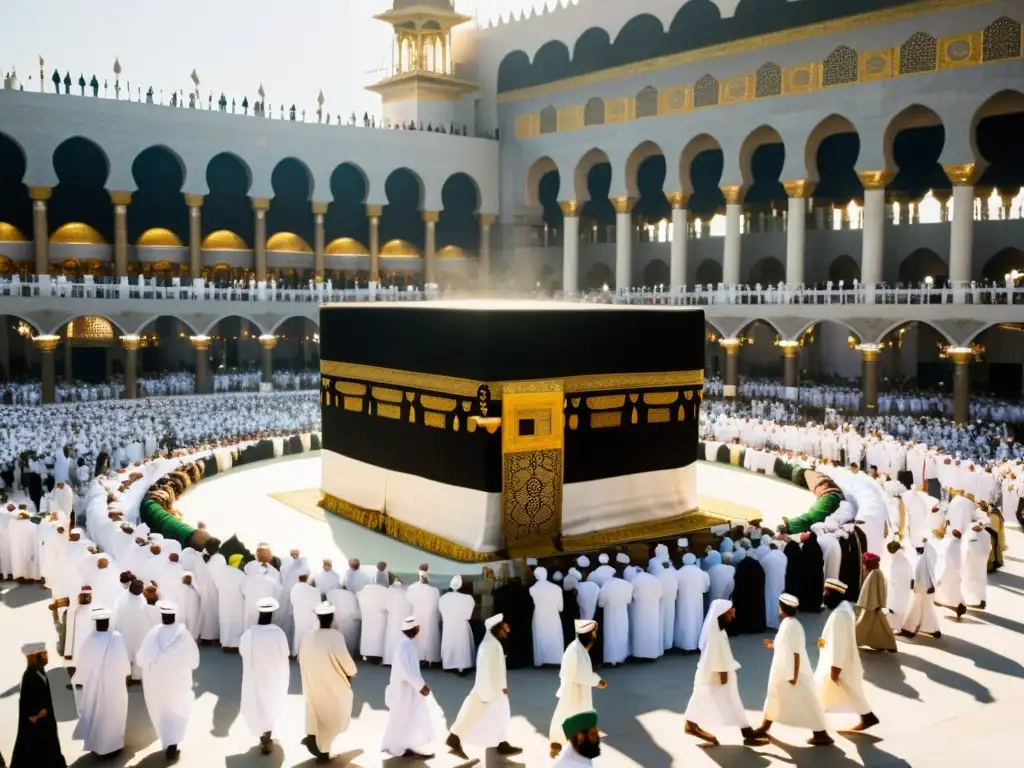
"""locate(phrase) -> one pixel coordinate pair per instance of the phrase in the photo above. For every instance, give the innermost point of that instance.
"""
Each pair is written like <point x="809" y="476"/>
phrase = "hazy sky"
<point x="294" y="47"/>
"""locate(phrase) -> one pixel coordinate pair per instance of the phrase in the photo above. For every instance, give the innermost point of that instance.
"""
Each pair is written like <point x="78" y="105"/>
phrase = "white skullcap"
<point x="766" y="539"/>
<point x="494" y="621"/>
<point x="31" y="649"/>
<point x="583" y="561"/>
<point x="100" y="612"/>
<point x="409" y="623"/>
<point x="787" y="599"/>
<point x="574" y="573"/>
<point x="689" y="559"/>
<point x="683" y="542"/>
<point x="602" y="559"/>
<point x="622" y="558"/>
<point x="557" y="576"/>
<point x="585" y="625"/>
<point x="262" y="545"/>
<point x="323" y="609"/>
<point x="837" y="585"/>
<point x="455" y="583"/>
<point x="531" y="561"/>
<point x="167" y="607"/>
<point x="267" y="605"/>
<point x="727" y="558"/>
<point x="661" y="553"/>
<point x="570" y="582"/>
<point x="77" y="532"/>
<point x="541" y="574"/>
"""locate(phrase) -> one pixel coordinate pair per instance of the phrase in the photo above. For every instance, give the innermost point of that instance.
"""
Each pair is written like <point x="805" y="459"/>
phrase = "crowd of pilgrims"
<point x="30" y="392"/>
<point x="844" y="397"/>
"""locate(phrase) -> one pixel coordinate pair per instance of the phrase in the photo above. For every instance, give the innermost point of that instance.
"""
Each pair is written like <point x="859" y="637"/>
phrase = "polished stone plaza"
<point x="940" y="702"/>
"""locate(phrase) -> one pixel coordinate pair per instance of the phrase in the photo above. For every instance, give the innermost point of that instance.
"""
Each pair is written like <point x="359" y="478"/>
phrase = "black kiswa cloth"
<point x="748" y="599"/>
<point x="37" y="745"/>
<point x="514" y="602"/>
<point x="570" y="613"/>
<point x="812" y="575"/>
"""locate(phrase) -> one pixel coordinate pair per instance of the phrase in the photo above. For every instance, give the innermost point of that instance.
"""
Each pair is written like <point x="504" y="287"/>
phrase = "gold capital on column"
<point x="431" y="216"/>
<point x="876" y="179"/>
<point x="733" y="194"/>
<point x="962" y="355"/>
<point x="375" y="210"/>
<point x="194" y="201"/>
<point x="260" y="204"/>
<point x="570" y="208"/>
<point x="486" y="219"/>
<point x="678" y="199"/>
<point x="130" y="342"/>
<point x="869" y="352"/>
<point x="623" y="204"/>
<point x="200" y="341"/>
<point x="731" y="345"/>
<point x="319" y="208"/>
<point x="962" y="175"/>
<point x="40" y="193"/>
<point x="798" y="188"/>
<point x="789" y="348"/>
<point x="268" y="341"/>
<point x="120" y="198"/>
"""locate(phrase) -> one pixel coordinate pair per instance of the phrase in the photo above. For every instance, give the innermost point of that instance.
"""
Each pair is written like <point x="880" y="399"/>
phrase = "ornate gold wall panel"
<point x="919" y="54"/>
<point x="432" y="419"/>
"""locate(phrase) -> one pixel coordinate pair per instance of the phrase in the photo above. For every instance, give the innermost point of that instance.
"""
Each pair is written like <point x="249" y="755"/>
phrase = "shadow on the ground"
<point x="19" y="595"/>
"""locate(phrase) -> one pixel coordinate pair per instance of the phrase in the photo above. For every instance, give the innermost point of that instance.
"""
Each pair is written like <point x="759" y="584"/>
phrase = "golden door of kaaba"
<point x="532" y="466"/>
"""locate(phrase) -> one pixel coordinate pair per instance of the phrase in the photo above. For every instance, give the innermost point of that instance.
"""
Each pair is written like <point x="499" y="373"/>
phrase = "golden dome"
<point x="77" y="233"/>
<point x="288" y="242"/>
<point x="90" y="328"/>
<point x="346" y="246"/>
<point x="452" y="253"/>
<point x="160" y="237"/>
<point x="6" y="266"/>
<point x="10" y="233"/>
<point x="224" y="240"/>
<point x="399" y="249"/>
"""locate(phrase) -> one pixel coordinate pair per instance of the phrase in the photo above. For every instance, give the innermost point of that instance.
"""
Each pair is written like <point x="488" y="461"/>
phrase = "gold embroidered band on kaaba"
<point x="450" y="385"/>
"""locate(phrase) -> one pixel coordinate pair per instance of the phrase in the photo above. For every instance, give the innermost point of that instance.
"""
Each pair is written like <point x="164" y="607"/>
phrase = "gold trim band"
<point x="688" y="522"/>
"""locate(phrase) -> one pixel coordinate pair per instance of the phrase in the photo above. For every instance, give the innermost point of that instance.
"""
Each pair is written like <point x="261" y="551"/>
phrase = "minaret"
<point x="421" y="87"/>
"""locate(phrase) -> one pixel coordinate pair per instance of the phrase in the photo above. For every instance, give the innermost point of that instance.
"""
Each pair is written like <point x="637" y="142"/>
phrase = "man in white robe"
<point x="693" y="585"/>
<point x="577" y="682"/>
<point x="262" y="565"/>
<point x="102" y="666"/>
<point x="133" y="619"/>
<point x="615" y="597"/>
<point x="948" y="571"/>
<point x="190" y="609"/>
<point x="663" y="570"/>
<point x="587" y="590"/>
<point x="792" y="699"/>
<point x="354" y="579"/>
<point x="646" y="640"/>
<point x="260" y="583"/>
<point x="346" y="617"/>
<point x="920" y="615"/>
<point x="601" y="574"/>
<point x="583" y="739"/>
<point x="716" y="694"/>
<point x="410" y="725"/>
<point x="79" y="625"/>
<point x="898" y="580"/>
<point x="303" y="599"/>
<point x="373" y="599"/>
<point x="168" y="656"/>
<point x="774" y="566"/>
<point x="398" y="609"/>
<point x="424" y="598"/>
<point x="548" y="644"/>
<point x="265" y="674"/>
<point x="209" y="601"/>
<point x="484" y="717"/>
<point x="722" y="575"/>
<point x="839" y="675"/>
<point x="975" y="568"/>
<point x="326" y="668"/>
<point x="456" y="635"/>
<point x="327" y="579"/>
<point x="230" y="583"/>
<point x="24" y="538"/>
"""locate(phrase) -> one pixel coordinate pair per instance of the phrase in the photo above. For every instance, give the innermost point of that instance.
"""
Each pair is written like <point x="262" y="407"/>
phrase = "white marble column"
<point x="319" y="210"/>
<point x="374" y="213"/>
<point x="260" y="206"/>
<point x="677" y="248"/>
<point x="961" y="229"/>
<point x="873" y="234"/>
<point x="623" y="242"/>
<point x="195" y="234"/>
<point x="120" y="201"/>
<point x="430" y="219"/>
<point x="570" y="246"/>
<point x="733" y="217"/>
<point x="796" y="231"/>
<point x="483" y="269"/>
<point x="40" y="228"/>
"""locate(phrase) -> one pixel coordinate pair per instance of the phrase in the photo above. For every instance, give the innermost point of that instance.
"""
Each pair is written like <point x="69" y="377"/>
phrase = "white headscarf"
<point x="718" y="607"/>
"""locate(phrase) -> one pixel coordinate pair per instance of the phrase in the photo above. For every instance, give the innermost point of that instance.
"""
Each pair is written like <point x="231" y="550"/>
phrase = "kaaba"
<point x="484" y="429"/>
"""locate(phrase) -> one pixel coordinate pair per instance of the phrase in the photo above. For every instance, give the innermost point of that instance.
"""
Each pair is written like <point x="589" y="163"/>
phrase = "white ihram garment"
<point x="693" y="584"/>
<point x="711" y="703"/>
<point x="167" y="657"/>
<point x="326" y="667"/>
<point x="795" y="705"/>
<point x="456" y="635"/>
<point x="264" y="652"/>
<point x="101" y="668"/>
<point x="484" y="717"/>
<point x="410" y="723"/>
<point x="840" y="636"/>
<point x="424" y="599"/>
<point x="576" y="689"/>
<point x="548" y="643"/>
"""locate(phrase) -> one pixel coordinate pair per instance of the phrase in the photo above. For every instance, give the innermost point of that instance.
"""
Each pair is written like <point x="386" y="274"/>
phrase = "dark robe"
<point x="570" y="613"/>
<point x="812" y="575"/>
<point x="794" y="567"/>
<point x="748" y="599"/>
<point x="102" y="464"/>
<point x="860" y="546"/>
<point x="850" y="564"/>
<point x="514" y="602"/>
<point x="38" y="744"/>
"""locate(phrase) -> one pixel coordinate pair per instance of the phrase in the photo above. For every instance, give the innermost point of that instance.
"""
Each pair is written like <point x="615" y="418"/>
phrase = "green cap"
<point x="582" y="721"/>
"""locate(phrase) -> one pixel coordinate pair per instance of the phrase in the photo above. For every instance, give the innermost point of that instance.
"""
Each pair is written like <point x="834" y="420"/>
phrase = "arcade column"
<point x="791" y="368"/>
<point x="677" y="246"/>
<point x="47" y="343"/>
<point x="130" y="343"/>
<point x="430" y="250"/>
<point x="319" y="210"/>
<point x="623" y="242"/>
<point x="571" y="246"/>
<point x="195" y="235"/>
<point x="260" y="206"/>
<point x="121" y="201"/>
<point x="869" y="378"/>
<point x="201" y="344"/>
<point x="374" y="212"/>
<point x="40" y="228"/>
<point x="961" y="229"/>
<point x="733" y="231"/>
<point x="961" y="357"/>
<point x="732" y="372"/>
<point x="796" y="230"/>
<point x="873" y="233"/>
<point x="268" y="342"/>
<point x="67" y="371"/>
<point x="484" y="261"/>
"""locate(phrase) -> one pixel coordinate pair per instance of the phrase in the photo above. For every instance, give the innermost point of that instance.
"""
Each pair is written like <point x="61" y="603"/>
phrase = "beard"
<point x="832" y="600"/>
<point x="589" y="749"/>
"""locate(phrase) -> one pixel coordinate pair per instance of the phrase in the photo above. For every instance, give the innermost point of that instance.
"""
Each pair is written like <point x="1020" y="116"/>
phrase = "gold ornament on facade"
<point x="432" y="419"/>
<point x="797" y="188"/>
<point x="733" y="194"/>
<point x="130" y="342"/>
<point x="570" y="208"/>
<point x="623" y="204"/>
<point x="962" y="355"/>
<point x="961" y="175"/>
<point x="90" y="328"/>
<point x="606" y="402"/>
<point x="350" y="388"/>
<point x="46" y="342"/>
<point x="678" y="200"/>
<point x="869" y="352"/>
<point x="375" y="210"/>
<point x="120" y="198"/>
<point x="287" y="242"/>
<point x="876" y="179"/>
<point x="574" y="421"/>
<point x="77" y="233"/>
<point x="659" y="416"/>
<point x="431" y="216"/>
<point x="10" y="233"/>
<point x="604" y="419"/>
<point x="200" y="341"/>
<point x="260" y="204"/>
<point x="268" y="341"/>
<point x="660" y="398"/>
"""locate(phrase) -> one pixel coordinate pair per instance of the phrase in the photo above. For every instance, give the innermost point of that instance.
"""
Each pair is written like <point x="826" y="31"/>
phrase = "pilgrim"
<point x="570" y="608"/>
<point x="694" y="583"/>
<point x="548" y="643"/>
<point x="839" y="675"/>
<point x="583" y="739"/>
<point x="948" y="571"/>
<point x="373" y="600"/>
<point x="774" y="564"/>
<point x="327" y="670"/>
<point x="37" y="743"/>
<point x="512" y="600"/>
<point x="101" y="668"/>
<point x="304" y="597"/>
<point x="920" y="615"/>
<point x="716" y="694"/>
<point x="975" y="570"/>
<point x="424" y="599"/>
<point x="577" y="682"/>
<point x="230" y="585"/>
<point x="615" y="596"/>
<point x="484" y="716"/>
<point x="898" y="583"/>
<point x="262" y="580"/>
<point x="410" y="726"/>
<point x="661" y="567"/>
<point x="456" y="635"/>
<point x="168" y="656"/>
<point x="327" y="579"/>
<point x="346" y="617"/>
<point x="873" y="628"/>
<point x="264" y="652"/>
<point x="646" y="640"/>
<point x="398" y="609"/>
<point x="354" y="579"/>
<point x="791" y="698"/>
<point x="748" y="597"/>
